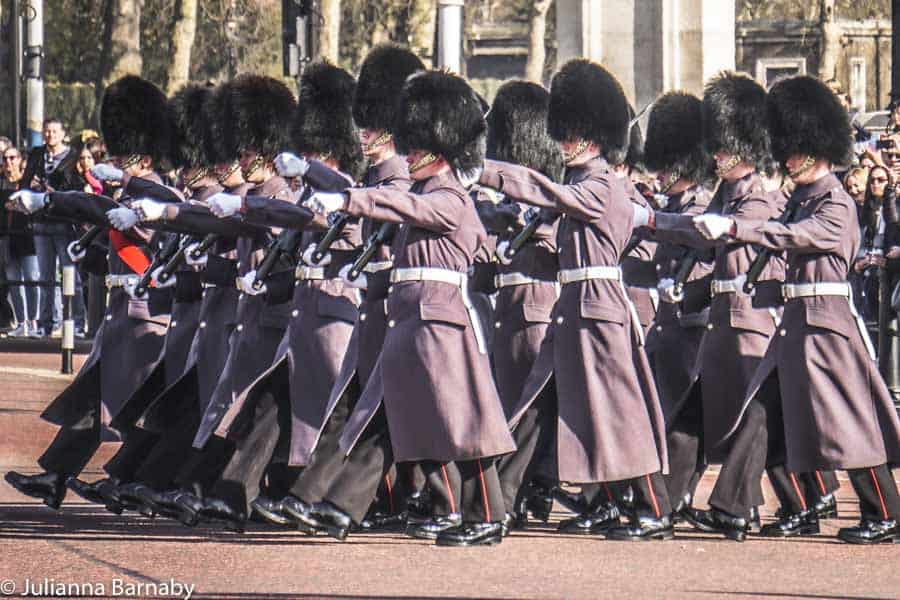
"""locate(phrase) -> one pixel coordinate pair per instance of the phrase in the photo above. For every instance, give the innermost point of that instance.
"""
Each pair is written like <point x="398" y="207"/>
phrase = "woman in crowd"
<point x="18" y="256"/>
<point x="90" y="150"/>
<point x="870" y="258"/>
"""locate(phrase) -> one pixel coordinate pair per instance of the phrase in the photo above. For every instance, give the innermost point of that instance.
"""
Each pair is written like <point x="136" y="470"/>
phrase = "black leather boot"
<point x="643" y="529"/>
<point x="218" y="510"/>
<point x="189" y="506"/>
<point x="594" y="522"/>
<point x="270" y="511"/>
<point x="133" y="494"/>
<point x="472" y="534"/>
<point x="804" y="523"/>
<point x="871" y="532"/>
<point x="103" y="491"/>
<point x="299" y="512"/>
<point x="331" y="519"/>
<point x="48" y="487"/>
<point x="826" y="507"/>
<point x="432" y="528"/>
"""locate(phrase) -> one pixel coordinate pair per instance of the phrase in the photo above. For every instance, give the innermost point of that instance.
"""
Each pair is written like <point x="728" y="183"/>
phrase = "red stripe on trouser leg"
<point x="449" y="489"/>
<point x="653" y="497"/>
<point x="484" y="496"/>
<point x="798" y="492"/>
<point x="878" y="490"/>
<point x="821" y="483"/>
<point x="390" y="493"/>
<point x="609" y="495"/>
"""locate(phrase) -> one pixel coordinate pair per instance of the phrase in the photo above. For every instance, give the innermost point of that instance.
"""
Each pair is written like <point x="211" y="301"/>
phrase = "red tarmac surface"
<point x="83" y="544"/>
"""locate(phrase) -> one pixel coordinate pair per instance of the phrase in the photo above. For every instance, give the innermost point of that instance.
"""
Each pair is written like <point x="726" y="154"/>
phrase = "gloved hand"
<point x="712" y="226"/>
<point x="122" y="218"/>
<point x="500" y="252"/>
<point x="325" y="203"/>
<point x="170" y="282"/>
<point x="308" y="257"/>
<point x="224" y="205"/>
<point x="290" y="165"/>
<point x="105" y="172"/>
<point x="149" y="210"/>
<point x="245" y="284"/>
<point x="360" y="283"/>
<point x="75" y="256"/>
<point x="189" y="256"/>
<point x="27" y="201"/>
<point x="666" y="289"/>
<point x="130" y="288"/>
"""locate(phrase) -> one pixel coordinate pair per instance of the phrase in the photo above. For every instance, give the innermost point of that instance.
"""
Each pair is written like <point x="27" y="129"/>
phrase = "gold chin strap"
<point x="382" y="139"/>
<point x="130" y="161"/>
<point x="231" y="171"/>
<point x="255" y="164"/>
<point x="578" y="151"/>
<point x="671" y="180"/>
<point x="808" y="163"/>
<point x="423" y="162"/>
<point x="728" y="167"/>
<point x="200" y="174"/>
<point x="322" y="157"/>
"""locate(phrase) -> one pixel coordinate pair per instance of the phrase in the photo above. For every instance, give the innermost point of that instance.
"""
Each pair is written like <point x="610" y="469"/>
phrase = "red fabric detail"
<point x="653" y="497"/>
<point x="130" y="254"/>
<point x="484" y="495"/>
<point x="449" y="489"/>
<point x="799" y="493"/>
<point x="880" y="497"/>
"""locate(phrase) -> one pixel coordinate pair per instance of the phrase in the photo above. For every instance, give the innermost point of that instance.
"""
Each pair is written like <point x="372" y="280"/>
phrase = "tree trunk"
<point x="184" y="30"/>
<point x="831" y="40"/>
<point x="537" y="29"/>
<point x="125" y="39"/>
<point x="329" y="34"/>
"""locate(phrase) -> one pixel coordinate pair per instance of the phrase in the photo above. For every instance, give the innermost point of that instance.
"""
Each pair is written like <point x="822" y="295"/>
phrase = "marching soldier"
<point x="816" y="401"/>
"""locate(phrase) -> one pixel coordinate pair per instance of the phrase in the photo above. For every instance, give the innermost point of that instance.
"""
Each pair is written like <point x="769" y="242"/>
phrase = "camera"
<point x="887" y="144"/>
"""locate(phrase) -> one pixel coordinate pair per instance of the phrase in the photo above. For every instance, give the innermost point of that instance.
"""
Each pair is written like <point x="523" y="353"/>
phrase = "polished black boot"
<point x="472" y="534"/>
<point x="432" y="528"/>
<point x="826" y="507"/>
<point x="418" y="507"/>
<point x="684" y="506"/>
<point x="804" y="523"/>
<point x="269" y="510"/>
<point x="298" y="512"/>
<point x="48" y="487"/>
<point x="871" y="532"/>
<point x="162" y="503"/>
<point x="643" y="529"/>
<point x="755" y="522"/>
<point x="540" y="502"/>
<point x="189" y="507"/>
<point x="104" y="491"/>
<point x="217" y="510"/>
<point x="331" y="520"/>
<point x="718" y="521"/>
<point x="377" y="521"/>
<point x="594" y="522"/>
<point x="575" y="503"/>
<point x="133" y="494"/>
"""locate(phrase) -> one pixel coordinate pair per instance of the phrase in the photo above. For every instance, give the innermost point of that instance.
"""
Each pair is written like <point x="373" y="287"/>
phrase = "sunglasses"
<point x="13" y="157"/>
<point x="878" y="180"/>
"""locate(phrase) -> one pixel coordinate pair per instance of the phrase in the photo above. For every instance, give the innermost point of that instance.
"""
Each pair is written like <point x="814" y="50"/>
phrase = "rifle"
<point x="159" y="260"/>
<point x="174" y="263"/>
<point x="285" y="244"/>
<point x="764" y="254"/>
<point x="87" y="238"/>
<point x="204" y="245"/>
<point x="532" y="222"/>
<point x="384" y="233"/>
<point x="688" y="262"/>
<point x="336" y="224"/>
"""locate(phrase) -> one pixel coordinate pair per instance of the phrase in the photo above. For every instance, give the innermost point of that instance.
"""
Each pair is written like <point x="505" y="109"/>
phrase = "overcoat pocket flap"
<point x="828" y="320"/>
<point x="601" y="312"/>
<point x="446" y="313"/>
<point x="337" y="307"/>
<point x="536" y="313"/>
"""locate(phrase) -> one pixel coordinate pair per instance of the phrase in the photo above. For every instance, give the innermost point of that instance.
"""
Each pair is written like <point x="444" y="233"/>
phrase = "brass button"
<point x="241" y="296"/>
<point x="497" y="325"/>
<point x="362" y="316"/>
<point x="559" y="319"/>
<point x="709" y="325"/>
<point x="202" y="324"/>
<point x="659" y="327"/>
<point x="782" y="332"/>
<point x="109" y="317"/>
<point x="295" y="312"/>
<point x="173" y="323"/>
<point x="240" y="327"/>
<point x="391" y="323"/>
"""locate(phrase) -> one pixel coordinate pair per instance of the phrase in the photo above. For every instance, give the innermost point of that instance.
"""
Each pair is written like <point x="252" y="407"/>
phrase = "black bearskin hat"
<point x="323" y="122"/>
<point x="517" y="129"/>
<point x="216" y="127"/>
<point x="439" y="112"/>
<point x="253" y="110"/>
<point x="189" y="128"/>
<point x="634" y="153"/>
<point x="381" y="77"/>
<point x="587" y="102"/>
<point x="675" y="137"/>
<point x="134" y="119"/>
<point x="734" y="118"/>
<point x="805" y="117"/>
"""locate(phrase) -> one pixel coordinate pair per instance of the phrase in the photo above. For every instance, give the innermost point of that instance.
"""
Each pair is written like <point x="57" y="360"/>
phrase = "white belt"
<point x="727" y="286"/>
<point x="117" y="281"/>
<point x="456" y="278"/>
<point x="567" y="276"/>
<point x="376" y="267"/>
<point x="829" y="288"/>
<point x="304" y="273"/>
<point x="503" y="280"/>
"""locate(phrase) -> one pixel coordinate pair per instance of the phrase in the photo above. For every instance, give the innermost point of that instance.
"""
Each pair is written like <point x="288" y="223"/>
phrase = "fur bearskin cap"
<point x="253" y="109"/>
<point x="634" y="153"/>
<point x="439" y="112"/>
<point x="805" y="117"/>
<point x="189" y="127"/>
<point x="380" y="80"/>
<point x="587" y="102"/>
<point x="323" y="122"/>
<point x="134" y="119"/>
<point x="734" y="118"/>
<point x="517" y="129"/>
<point x="675" y="137"/>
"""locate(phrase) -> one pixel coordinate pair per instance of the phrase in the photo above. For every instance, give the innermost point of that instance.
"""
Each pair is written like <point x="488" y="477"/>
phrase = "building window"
<point x="858" y="83"/>
<point x="770" y="70"/>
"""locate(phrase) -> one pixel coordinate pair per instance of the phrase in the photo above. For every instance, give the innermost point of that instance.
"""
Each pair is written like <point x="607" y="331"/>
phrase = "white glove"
<point x="712" y="226"/>
<point x="666" y="288"/>
<point x="308" y="257"/>
<point x="500" y="252"/>
<point x="122" y="218"/>
<point x="189" y="256"/>
<point x="360" y="283"/>
<point x="163" y="284"/>
<point x="224" y="205"/>
<point x="325" y="203"/>
<point x="76" y="257"/>
<point x="290" y="165"/>
<point x="130" y="288"/>
<point x="28" y="202"/>
<point x="105" y="172"/>
<point x="245" y="284"/>
<point x="149" y="210"/>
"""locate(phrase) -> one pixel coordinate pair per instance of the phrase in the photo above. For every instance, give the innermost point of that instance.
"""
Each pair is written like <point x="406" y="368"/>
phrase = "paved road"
<point x="85" y="545"/>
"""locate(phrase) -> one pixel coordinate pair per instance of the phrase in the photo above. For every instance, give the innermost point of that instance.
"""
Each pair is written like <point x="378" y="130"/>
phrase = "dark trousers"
<point x="355" y="487"/>
<point x="535" y="437"/>
<point x="126" y="462"/>
<point x="685" y="440"/>
<point x="159" y="468"/>
<point x="445" y="483"/>
<point x="72" y="448"/>
<point x="650" y="498"/>
<point x="877" y="492"/>
<point x="201" y="468"/>
<point x="798" y="492"/>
